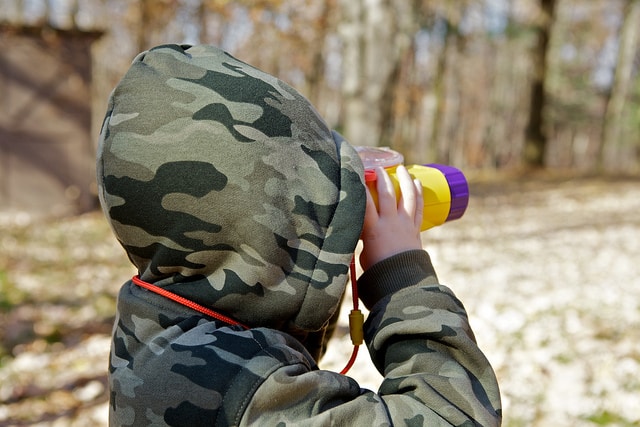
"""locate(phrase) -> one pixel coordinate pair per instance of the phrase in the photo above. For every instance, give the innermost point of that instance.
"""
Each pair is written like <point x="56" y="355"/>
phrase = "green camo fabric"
<point x="225" y="186"/>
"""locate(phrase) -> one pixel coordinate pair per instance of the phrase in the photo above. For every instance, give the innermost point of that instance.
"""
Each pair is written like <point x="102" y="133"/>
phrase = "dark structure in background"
<point x="46" y="148"/>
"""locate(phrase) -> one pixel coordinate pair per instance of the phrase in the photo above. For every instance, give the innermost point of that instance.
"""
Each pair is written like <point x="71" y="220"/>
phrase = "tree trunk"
<point x="612" y="133"/>
<point x="317" y="71"/>
<point x="373" y="41"/>
<point x="438" y="132"/>
<point x="535" y="136"/>
<point x="144" y="24"/>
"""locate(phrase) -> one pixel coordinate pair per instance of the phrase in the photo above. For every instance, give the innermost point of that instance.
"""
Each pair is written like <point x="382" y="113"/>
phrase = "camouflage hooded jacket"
<point x="225" y="187"/>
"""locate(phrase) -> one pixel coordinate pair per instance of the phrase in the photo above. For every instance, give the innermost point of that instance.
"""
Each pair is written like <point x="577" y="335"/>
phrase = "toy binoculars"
<point x="444" y="188"/>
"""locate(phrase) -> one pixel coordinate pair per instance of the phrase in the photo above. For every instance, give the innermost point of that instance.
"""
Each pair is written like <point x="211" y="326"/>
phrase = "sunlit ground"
<point x="549" y="272"/>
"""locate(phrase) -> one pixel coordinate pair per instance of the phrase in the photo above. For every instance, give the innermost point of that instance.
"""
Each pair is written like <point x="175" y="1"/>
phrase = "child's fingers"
<point x="419" y="203"/>
<point x="386" y="193"/>
<point x="407" y="204"/>
<point x="371" y="212"/>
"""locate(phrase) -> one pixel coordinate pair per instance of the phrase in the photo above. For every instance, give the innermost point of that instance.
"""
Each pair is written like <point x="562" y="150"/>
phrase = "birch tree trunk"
<point x="375" y="33"/>
<point x="611" y="149"/>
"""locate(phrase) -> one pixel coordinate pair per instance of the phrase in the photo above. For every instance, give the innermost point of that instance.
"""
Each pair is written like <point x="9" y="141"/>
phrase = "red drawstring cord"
<point x="356" y="318"/>
<point x="186" y="302"/>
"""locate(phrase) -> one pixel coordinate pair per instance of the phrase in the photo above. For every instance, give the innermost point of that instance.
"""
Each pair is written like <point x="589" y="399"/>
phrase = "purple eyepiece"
<point x="459" y="189"/>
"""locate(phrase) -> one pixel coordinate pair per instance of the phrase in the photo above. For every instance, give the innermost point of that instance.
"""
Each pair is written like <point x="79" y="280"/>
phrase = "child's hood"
<point x="225" y="186"/>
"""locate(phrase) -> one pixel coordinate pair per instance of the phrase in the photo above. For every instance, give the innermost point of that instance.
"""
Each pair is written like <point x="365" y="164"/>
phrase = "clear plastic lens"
<point x="373" y="157"/>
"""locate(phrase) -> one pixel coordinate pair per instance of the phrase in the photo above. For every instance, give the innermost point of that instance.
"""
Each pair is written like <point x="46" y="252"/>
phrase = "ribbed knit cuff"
<point x="395" y="273"/>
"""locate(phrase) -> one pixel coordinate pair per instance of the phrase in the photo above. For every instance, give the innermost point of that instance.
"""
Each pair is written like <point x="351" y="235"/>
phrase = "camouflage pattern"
<point x="225" y="186"/>
<point x="420" y="341"/>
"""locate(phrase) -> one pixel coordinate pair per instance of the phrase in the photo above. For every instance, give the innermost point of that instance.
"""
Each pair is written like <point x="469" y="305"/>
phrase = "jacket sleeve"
<point x="419" y="339"/>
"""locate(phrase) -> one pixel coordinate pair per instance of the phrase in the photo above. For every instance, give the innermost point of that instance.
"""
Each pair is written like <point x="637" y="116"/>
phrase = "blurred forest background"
<point x="480" y="84"/>
<point x="537" y="101"/>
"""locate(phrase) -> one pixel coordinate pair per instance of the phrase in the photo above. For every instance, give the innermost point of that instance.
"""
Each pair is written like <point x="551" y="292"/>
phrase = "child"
<point x="241" y="211"/>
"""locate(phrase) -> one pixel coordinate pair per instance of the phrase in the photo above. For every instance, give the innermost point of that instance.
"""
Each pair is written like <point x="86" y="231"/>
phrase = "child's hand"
<point x="393" y="227"/>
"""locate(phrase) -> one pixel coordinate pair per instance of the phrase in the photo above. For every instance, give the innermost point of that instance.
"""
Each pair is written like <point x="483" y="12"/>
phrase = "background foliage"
<point x="481" y="84"/>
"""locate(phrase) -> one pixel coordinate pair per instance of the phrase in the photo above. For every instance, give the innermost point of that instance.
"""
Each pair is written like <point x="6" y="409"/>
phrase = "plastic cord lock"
<point x="356" y="322"/>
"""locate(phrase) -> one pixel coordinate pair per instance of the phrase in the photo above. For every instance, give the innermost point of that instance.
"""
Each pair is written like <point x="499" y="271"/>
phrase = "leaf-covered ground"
<point x="548" y="270"/>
